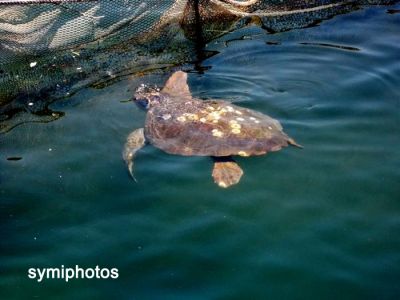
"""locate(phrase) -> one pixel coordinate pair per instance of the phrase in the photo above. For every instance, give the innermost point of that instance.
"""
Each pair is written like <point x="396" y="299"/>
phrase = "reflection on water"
<point x="332" y="46"/>
<point x="84" y="44"/>
<point x="299" y="225"/>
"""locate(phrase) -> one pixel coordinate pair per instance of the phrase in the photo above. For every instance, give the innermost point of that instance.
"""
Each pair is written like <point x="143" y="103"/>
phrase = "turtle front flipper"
<point x="134" y="142"/>
<point x="226" y="171"/>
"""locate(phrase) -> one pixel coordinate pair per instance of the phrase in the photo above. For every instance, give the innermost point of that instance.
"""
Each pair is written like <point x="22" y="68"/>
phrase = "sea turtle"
<point x="179" y="124"/>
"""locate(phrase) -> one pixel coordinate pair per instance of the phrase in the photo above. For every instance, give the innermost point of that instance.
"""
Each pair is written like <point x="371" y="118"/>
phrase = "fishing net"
<point x="49" y="49"/>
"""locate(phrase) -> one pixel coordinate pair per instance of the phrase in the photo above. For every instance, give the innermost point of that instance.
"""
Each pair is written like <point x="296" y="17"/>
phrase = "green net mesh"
<point x="50" y="49"/>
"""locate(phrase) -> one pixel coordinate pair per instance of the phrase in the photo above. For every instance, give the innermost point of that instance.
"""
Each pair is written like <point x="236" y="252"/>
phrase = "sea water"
<point x="322" y="222"/>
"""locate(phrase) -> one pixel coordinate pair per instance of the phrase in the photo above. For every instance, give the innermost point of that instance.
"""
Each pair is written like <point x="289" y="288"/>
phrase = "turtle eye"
<point x="142" y="102"/>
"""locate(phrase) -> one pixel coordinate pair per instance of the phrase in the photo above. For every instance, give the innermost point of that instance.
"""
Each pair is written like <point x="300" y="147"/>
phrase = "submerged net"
<point x="51" y="48"/>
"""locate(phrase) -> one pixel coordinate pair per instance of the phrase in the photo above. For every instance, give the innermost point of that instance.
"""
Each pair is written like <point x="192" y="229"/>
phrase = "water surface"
<point x="317" y="223"/>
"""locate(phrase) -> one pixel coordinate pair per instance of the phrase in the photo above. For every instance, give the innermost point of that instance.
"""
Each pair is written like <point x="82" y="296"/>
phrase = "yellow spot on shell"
<point x="235" y="126"/>
<point x="269" y="127"/>
<point x="203" y="120"/>
<point x="229" y="108"/>
<point x="252" y="118"/>
<point x="215" y="121"/>
<point x="232" y="122"/>
<point x="181" y="119"/>
<point x="210" y="108"/>
<point x="166" y="117"/>
<point x="214" y="115"/>
<point x="239" y="119"/>
<point x="236" y="131"/>
<point x="191" y="117"/>
<point x="256" y="121"/>
<point x="217" y="133"/>
<point x="243" y="153"/>
<point x="238" y="112"/>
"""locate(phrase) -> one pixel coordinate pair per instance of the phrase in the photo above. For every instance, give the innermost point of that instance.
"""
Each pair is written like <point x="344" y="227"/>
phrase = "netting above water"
<point x="49" y="49"/>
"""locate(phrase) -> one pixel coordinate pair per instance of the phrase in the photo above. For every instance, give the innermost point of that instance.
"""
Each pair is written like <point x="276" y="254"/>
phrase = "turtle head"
<point x="147" y="97"/>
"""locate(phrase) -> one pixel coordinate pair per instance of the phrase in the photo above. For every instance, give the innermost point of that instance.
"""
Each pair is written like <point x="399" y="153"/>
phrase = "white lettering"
<point x="32" y="273"/>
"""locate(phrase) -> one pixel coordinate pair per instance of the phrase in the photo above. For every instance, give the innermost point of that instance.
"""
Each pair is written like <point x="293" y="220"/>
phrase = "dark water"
<point x="317" y="223"/>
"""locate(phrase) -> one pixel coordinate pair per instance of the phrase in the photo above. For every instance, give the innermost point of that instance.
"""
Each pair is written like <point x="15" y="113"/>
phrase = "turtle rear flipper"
<point x="294" y="143"/>
<point x="134" y="142"/>
<point x="226" y="172"/>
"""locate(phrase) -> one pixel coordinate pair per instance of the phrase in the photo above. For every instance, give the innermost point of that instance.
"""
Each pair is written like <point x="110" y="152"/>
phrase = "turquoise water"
<point x="318" y="223"/>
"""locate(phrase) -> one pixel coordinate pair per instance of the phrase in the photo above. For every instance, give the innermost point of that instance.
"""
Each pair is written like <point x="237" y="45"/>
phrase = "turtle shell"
<point x="187" y="126"/>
